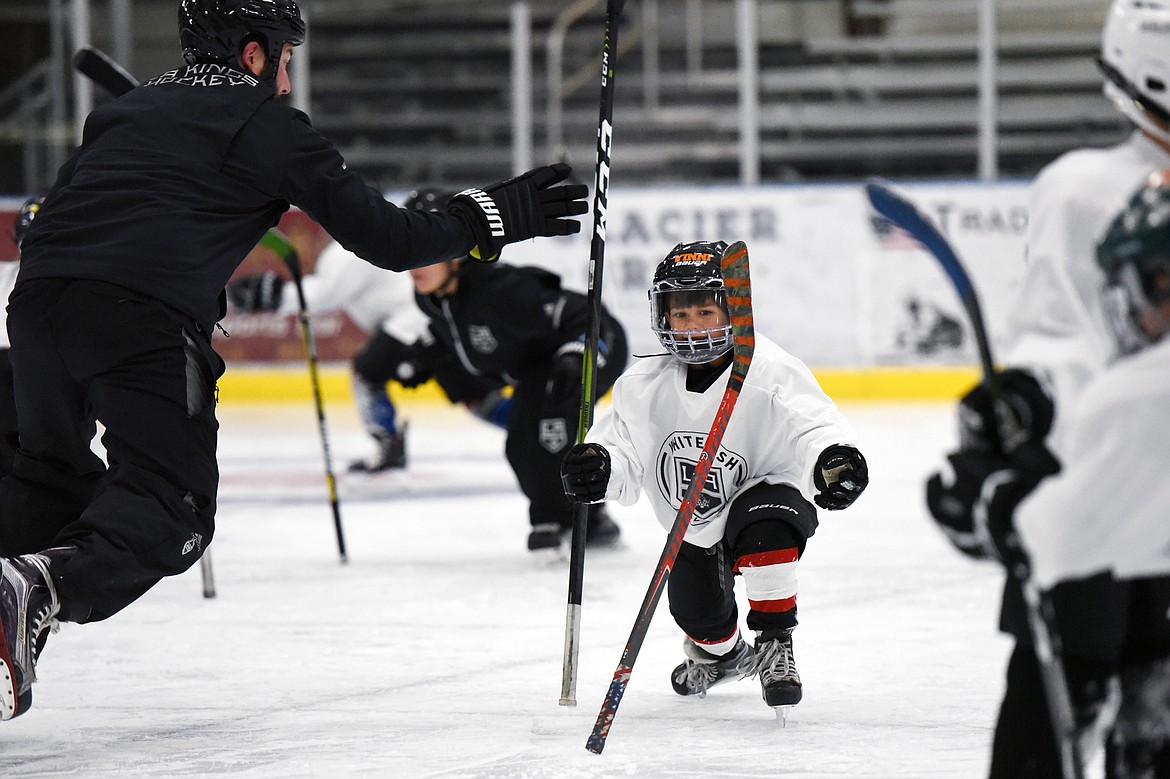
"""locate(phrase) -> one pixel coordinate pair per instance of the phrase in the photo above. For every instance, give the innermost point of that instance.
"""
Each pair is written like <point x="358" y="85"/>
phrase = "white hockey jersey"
<point x="371" y="296"/>
<point x="1107" y="509"/>
<point x="1057" y="327"/>
<point x="655" y="429"/>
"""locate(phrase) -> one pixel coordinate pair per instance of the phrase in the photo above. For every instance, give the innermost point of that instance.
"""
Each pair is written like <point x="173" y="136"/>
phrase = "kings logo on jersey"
<point x="677" y="459"/>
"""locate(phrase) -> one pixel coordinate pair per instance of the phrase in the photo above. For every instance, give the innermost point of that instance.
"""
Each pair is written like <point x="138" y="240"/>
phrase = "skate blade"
<point x="782" y="715"/>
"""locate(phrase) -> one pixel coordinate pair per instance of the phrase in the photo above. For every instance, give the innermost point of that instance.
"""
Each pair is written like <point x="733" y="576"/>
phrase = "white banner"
<point x="832" y="282"/>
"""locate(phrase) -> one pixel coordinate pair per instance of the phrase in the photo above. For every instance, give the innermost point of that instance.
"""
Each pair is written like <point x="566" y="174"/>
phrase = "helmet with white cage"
<point x="1135" y="255"/>
<point x="1135" y="58"/>
<point x="690" y="278"/>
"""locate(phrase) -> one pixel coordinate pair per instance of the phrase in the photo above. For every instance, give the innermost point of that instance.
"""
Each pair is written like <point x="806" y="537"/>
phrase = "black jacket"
<point x="508" y="322"/>
<point x="177" y="180"/>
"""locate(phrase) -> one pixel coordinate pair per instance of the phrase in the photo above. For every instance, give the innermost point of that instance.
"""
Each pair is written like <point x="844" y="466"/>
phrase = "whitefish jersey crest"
<point x="781" y="424"/>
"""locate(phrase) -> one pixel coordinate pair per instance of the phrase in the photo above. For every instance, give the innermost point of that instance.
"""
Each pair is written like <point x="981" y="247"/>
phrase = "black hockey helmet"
<point x="690" y="276"/>
<point x="1135" y="255"/>
<point x="218" y="30"/>
<point x="24" y="218"/>
<point x="427" y="200"/>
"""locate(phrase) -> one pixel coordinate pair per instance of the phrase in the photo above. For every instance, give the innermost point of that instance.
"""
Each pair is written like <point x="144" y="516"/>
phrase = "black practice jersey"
<point x="506" y="322"/>
<point x="176" y="181"/>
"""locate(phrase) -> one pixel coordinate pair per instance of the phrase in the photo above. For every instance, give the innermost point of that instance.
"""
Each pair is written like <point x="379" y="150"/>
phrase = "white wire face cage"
<point x="694" y="347"/>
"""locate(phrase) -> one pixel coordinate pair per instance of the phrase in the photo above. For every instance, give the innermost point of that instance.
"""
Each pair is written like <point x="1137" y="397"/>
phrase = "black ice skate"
<point x="776" y="666"/>
<point x="546" y="535"/>
<point x="391" y="454"/>
<point x="28" y="612"/>
<point x="703" y="670"/>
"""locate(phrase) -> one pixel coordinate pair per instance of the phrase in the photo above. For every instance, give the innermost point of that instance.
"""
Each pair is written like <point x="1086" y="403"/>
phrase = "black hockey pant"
<point x="542" y="428"/>
<point x="1106" y="627"/>
<point x="86" y="350"/>
<point x="768" y="527"/>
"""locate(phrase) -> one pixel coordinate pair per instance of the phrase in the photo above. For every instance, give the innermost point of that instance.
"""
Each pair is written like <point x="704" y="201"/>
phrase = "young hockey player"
<point x="1094" y="530"/>
<point x="496" y="326"/>
<point x="121" y="282"/>
<point x="785" y="447"/>
<point x="1059" y="337"/>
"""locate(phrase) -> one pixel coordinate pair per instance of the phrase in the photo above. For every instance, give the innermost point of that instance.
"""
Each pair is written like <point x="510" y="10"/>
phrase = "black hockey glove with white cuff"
<point x="840" y="477"/>
<point x="251" y="294"/>
<point x="1025" y="414"/>
<point x="585" y="473"/>
<point x="520" y="208"/>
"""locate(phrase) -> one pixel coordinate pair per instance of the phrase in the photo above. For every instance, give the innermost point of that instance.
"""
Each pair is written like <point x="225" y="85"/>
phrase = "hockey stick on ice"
<point x="278" y="243"/>
<point x="613" y="10"/>
<point x="904" y="214"/>
<point x="97" y="66"/>
<point x="737" y="280"/>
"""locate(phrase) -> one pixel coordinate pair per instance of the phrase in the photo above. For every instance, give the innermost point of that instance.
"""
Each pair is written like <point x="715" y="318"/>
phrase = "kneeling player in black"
<point x="496" y="326"/>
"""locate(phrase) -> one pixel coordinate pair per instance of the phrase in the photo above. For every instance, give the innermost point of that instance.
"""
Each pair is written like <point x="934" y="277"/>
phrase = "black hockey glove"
<point x="521" y="208"/>
<point x="1025" y="414"/>
<point x="417" y="366"/>
<point x="251" y="294"/>
<point x="564" y="383"/>
<point x="841" y="476"/>
<point x="585" y="473"/>
<point x="975" y="502"/>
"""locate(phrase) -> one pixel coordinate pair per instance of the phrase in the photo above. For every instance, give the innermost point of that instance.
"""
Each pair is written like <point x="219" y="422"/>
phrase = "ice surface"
<point x="436" y="652"/>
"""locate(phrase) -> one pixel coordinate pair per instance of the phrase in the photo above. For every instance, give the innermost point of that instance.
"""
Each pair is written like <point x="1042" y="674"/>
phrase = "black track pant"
<point x="86" y="350"/>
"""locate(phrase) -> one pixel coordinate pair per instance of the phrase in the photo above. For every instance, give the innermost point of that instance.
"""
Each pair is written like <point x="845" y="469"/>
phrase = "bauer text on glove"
<point x="841" y="476"/>
<point x="585" y="473"/>
<point x="520" y="208"/>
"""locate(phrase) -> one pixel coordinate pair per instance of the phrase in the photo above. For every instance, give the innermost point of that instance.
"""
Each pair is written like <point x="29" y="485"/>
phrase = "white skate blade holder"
<point x="782" y="715"/>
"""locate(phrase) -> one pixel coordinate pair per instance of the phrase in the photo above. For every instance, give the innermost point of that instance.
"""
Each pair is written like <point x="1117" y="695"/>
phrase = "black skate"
<point x="28" y="612"/>
<point x="391" y="454"/>
<point x="703" y="670"/>
<point x="776" y="666"/>
<point x="546" y="535"/>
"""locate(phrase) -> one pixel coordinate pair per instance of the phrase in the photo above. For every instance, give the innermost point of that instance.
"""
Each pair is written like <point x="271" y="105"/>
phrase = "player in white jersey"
<point x="1059" y="339"/>
<point x="786" y="446"/>
<point x="1108" y="561"/>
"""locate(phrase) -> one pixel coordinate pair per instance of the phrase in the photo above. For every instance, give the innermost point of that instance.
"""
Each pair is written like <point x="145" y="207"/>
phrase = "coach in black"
<point x="121" y="283"/>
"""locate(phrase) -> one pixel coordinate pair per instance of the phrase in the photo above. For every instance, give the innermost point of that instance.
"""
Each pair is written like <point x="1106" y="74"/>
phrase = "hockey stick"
<point x="97" y="66"/>
<point x="904" y="214"/>
<point x="278" y="243"/>
<point x="737" y="280"/>
<point x="208" y="575"/>
<point x="613" y="10"/>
